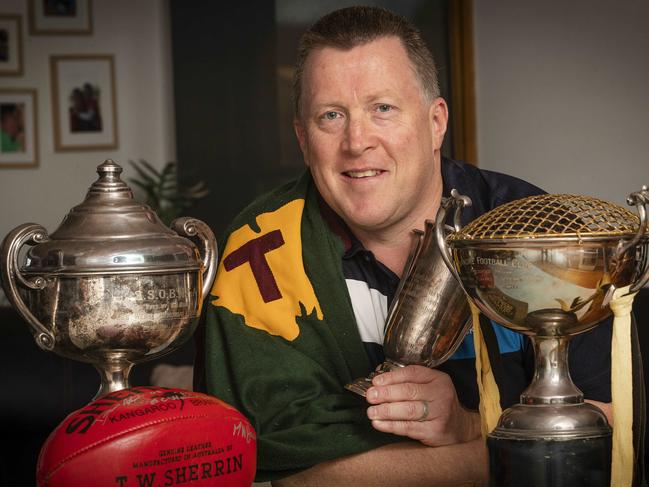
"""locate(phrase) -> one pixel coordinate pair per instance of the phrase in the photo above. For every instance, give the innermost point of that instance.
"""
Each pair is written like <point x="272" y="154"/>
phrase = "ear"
<point x="300" y="133"/>
<point x="438" y="116"/>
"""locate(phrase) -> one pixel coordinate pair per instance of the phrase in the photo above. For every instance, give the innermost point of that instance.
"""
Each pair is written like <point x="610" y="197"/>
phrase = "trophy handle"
<point x="26" y="234"/>
<point x="458" y="202"/>
<point x="191" y="227"/>
<point x="417" y="239"/>
<point x="640" y="199"/>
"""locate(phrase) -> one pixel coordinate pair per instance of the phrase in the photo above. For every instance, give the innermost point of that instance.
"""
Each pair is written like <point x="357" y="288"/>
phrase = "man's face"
<point x="369" y="137"/>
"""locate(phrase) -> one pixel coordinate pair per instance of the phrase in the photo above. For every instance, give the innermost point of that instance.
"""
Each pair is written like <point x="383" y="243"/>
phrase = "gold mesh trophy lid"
<point x="551" y="216"/>
<point x="547" y="251"/>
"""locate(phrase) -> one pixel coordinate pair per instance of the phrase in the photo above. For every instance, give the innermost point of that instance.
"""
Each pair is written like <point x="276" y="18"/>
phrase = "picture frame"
<point x="18" y="128"/>
<point x="11" y="45"/>
<point x="60" y="17"/>
<point x="84" y="102"/>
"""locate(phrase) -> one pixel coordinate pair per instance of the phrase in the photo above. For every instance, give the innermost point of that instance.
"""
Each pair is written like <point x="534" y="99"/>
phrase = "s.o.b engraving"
<point x="158" y="294"/>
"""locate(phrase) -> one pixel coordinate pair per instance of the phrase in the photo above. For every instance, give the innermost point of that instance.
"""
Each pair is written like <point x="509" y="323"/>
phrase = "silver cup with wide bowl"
<point x="547" y="266"/>
<point x="112" y="286"/>
<point x="429" y="315"/>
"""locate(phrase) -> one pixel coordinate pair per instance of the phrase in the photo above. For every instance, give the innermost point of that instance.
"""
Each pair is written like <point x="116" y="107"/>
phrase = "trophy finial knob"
<point x="109" y="180"/>
<point x="107" y="167"/>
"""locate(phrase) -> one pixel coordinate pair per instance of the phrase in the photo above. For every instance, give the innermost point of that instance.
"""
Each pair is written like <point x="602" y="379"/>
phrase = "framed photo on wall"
<point x="18" y="137"/>
<point x="60" y="17"/>
<point x="11" y="45"/>
<point x="84" y="102"/>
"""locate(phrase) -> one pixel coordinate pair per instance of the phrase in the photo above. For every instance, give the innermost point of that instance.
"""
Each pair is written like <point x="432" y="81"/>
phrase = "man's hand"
<point x="420" y="403"/>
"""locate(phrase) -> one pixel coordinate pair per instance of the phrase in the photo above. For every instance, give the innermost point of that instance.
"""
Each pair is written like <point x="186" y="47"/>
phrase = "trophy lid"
<point x="551" y="217"/>
<point x="110" y="232"/>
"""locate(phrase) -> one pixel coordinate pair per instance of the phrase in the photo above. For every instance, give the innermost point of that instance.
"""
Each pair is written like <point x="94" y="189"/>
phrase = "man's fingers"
<point x="437" y="387"/>
<point x="408" y="391"/>
<point x="412" y="373"/>
<point x="403" y="428"/>
<point x="394" y="411"/>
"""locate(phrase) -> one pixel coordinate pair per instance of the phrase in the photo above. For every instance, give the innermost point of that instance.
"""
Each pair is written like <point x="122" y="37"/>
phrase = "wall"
<point x="137" y="34"/>
<point x="563" y="93"/>
<point x="562" y="98"/>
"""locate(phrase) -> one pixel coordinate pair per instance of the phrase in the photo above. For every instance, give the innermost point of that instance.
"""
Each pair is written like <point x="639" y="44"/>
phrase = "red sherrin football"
<point x="153" y="437"/>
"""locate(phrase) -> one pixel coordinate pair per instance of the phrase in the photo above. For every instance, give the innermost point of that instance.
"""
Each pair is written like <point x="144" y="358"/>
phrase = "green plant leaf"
<point x="164" y="194"/>
<point x="150" y="168"/>
<point x="141" y="173"/>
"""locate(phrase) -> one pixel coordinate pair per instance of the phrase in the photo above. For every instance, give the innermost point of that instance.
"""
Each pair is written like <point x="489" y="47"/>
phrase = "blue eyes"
<point x="334" y="115"/>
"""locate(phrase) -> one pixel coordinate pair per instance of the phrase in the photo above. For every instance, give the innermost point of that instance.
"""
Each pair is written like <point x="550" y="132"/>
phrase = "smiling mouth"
<point x="362" y="174"/>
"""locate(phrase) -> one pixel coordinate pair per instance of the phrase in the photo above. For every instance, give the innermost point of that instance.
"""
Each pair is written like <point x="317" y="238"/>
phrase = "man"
<point x="307" y="272"/>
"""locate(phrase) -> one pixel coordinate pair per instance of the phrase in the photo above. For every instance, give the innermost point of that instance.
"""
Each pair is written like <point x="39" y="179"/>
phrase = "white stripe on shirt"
<point x="370" y="309"/>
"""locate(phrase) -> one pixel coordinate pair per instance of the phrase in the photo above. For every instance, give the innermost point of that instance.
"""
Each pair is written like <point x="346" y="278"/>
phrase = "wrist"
<point x="472" y="428"/>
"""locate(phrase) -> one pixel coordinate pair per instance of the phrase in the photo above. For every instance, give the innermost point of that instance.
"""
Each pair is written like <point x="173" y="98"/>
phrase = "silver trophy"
<point x="112" y="286"/>
<point x="547" y="266"/>
<point x="429" y="315"/>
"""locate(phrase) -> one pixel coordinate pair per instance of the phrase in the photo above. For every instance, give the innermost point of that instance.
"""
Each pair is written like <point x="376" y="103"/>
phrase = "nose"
<point x="358" y="137"/>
